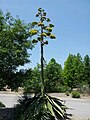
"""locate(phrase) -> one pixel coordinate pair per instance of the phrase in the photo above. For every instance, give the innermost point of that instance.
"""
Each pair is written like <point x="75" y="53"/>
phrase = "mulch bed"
<point x="7" y="114"/>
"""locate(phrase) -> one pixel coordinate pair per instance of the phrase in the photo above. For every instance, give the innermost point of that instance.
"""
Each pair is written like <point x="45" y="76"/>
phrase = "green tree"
<point x="53" y="77"/>
<point x="87" y="69"/>
<point x="14" y="43"/>
<point x="73" y="70"/>
<point x="78" y="70"/>
<point x="32" y="80"/>
<point x="17" y="79"/>
<point x="68" y="71"/>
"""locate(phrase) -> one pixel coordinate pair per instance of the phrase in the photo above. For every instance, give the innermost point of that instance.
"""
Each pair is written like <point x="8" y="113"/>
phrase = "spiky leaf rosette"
<point x="40" y="108"/>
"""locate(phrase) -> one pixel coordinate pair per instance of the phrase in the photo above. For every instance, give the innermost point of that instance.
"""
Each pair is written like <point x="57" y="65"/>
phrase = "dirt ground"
<point x="78" y="108"/>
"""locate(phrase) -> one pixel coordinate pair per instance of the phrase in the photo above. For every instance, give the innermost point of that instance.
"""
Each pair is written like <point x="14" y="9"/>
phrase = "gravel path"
<point x="79" y="108"/>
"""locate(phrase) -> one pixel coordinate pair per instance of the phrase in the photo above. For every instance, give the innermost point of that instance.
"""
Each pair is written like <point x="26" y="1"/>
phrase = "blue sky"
<point x="72" y="26"/>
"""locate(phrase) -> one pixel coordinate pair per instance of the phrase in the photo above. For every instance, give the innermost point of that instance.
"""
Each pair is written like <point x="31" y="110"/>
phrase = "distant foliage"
<point x="73" y="70"/>
<point x="32" y="80"/>
<point x="75" y="74"/>
<point x="76" y="71"/>
<point x="53" y="77"/>
<point x="87" y="70"/>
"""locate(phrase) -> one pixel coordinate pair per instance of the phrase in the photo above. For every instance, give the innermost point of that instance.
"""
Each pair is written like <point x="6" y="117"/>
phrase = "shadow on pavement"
<point x="7" y="114"/>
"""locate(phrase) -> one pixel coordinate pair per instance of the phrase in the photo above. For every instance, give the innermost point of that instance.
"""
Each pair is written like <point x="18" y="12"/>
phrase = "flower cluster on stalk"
<point x="42" y="30"/>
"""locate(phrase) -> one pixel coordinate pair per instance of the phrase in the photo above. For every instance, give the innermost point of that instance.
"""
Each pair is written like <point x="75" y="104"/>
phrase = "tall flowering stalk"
<point x="41" y="31"/>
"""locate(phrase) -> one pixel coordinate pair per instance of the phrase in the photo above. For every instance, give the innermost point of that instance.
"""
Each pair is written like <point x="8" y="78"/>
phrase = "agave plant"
<point x="41" y="106"/>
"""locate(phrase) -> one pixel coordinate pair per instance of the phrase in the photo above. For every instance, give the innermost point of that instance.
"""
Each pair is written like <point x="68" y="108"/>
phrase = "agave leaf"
<point x="55" y="98"/>
<point x="64" y="107"/>
<point x="58" y="112"/>
<point x="59" y="102"/>
<point x="30" y="103"/>
<point x="33" y="111"/>
<point x="50" y="108"/>
<point x="40" y="108"/>
<point x="57" y="106"/>
<point x="49" y="99"/>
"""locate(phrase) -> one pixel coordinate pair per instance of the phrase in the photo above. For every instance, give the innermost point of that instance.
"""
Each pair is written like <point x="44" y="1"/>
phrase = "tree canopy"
<point x="53" y="76"/>
<point x="14" y="43"/>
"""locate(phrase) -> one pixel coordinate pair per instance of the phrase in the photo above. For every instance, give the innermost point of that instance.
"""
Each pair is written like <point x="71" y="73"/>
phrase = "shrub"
<point x="67" y="93"/>
<point x="75" y="94"/>
<point x="1" y="105"/>
<point x="84" y="88"/>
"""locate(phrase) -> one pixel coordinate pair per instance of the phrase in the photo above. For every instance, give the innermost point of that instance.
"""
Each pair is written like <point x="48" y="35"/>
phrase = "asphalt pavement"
<point x="79" y="108"/>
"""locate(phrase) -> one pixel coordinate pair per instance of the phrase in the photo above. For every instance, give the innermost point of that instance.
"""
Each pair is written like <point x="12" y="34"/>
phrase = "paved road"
<point x="9" y="99"/>
<point x="80" y="108"/>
